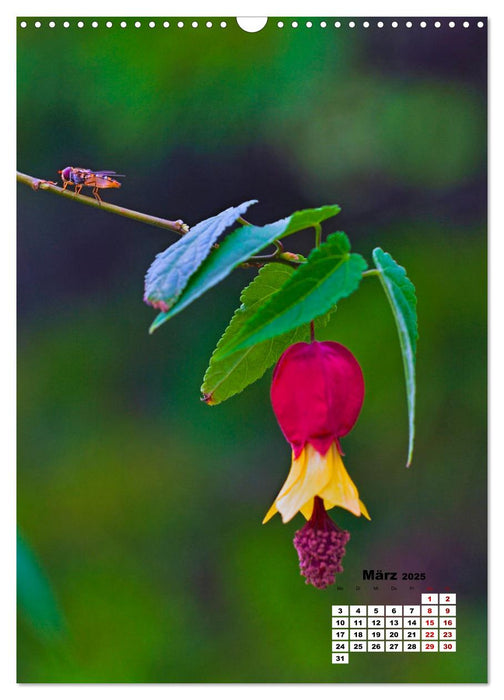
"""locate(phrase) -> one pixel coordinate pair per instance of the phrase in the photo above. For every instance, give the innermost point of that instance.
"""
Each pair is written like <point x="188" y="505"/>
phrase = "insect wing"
<point x="107" y="172"/>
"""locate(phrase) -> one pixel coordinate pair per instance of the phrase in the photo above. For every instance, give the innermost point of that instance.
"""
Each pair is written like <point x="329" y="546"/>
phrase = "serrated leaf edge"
<point x="151" y="276"/>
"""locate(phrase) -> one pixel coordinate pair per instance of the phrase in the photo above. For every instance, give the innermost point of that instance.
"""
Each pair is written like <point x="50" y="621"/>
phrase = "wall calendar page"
<point x="252" y="404"/>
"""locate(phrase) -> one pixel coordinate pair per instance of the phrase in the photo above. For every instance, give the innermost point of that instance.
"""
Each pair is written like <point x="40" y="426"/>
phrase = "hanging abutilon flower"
<point x="317" y="393"/>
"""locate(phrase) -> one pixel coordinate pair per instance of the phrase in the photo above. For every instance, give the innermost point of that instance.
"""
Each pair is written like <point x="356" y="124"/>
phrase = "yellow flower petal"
<point x="315" y="474"/>
<point x="310" y="475"/>
<point x="364" y="510"/>
<point x="295" y="473"/>
<point x="340" y="490"/>
<point x="270" y="513"/>
<point x="307" y="509"/>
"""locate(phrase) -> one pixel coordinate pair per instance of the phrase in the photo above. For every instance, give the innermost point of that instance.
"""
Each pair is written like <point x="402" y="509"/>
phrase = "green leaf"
<point x="238" y="247"/>
<point x="400" y="292"/>
<point x="306" y="218"/>
<point x="330" y="274"/>
<point x="168" y="275"/>
<point x="35" y="598"/>
<point x="228" y="376"/>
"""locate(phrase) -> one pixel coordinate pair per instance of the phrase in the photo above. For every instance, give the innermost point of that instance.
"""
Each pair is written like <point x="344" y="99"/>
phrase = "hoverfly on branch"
<point x="81" y="177"/>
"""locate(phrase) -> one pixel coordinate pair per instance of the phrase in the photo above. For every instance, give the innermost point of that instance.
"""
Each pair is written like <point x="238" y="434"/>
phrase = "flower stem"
<point x="312" y="331"/>
<point x="371" y="273"/>
<point x="318" y="235"/>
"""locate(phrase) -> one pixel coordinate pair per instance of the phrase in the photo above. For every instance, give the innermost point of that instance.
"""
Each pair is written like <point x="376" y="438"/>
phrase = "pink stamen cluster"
<point x="320" y="546"/>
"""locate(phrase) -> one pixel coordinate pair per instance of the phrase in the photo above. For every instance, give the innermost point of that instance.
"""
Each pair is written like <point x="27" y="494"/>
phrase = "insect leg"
<point x="95" y="192"/>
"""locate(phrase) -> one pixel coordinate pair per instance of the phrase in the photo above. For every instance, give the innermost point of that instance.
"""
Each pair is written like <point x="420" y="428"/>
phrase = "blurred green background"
<point x="142" y="505"/>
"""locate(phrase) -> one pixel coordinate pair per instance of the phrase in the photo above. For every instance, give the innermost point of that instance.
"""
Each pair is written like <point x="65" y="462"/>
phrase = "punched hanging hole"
<point x="251" y="24"/>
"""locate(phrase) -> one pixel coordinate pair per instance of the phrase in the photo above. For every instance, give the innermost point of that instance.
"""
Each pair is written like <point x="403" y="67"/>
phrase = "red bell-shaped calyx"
<point x="317" y="393"/>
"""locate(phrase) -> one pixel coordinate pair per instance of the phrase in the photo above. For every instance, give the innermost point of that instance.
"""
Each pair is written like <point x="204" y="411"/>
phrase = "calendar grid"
<point x="426" y="627"/>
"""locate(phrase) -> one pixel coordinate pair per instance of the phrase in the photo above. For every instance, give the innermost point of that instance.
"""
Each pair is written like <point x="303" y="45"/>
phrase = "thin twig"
<point x="178" y="226"/>
<point x="261" y="260"/>
<point x="37" y="184"/>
